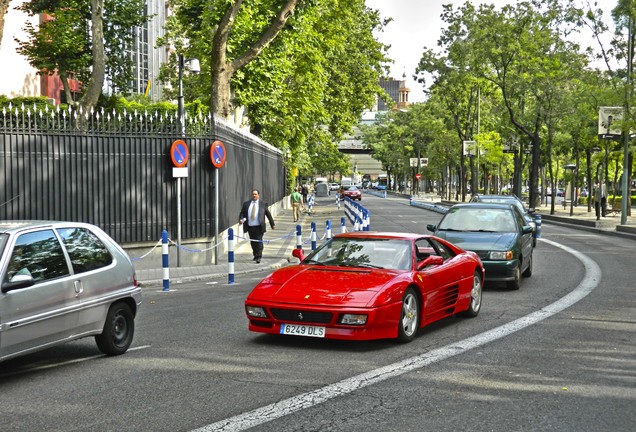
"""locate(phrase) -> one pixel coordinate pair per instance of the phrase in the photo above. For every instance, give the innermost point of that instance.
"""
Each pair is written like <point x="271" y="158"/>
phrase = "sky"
<point x="417" y="24"/>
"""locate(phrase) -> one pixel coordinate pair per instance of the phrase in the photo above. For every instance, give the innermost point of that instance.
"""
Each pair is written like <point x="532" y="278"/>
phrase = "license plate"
<point x="302" y="330"/>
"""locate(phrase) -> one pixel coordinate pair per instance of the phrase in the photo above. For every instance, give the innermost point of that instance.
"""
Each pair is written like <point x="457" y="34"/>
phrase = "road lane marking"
<point x="303" y="401"/>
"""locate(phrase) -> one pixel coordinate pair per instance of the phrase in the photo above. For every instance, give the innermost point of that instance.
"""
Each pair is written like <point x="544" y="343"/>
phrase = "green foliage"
<point x="321" y="71"/>
<point x="63" y="43"/>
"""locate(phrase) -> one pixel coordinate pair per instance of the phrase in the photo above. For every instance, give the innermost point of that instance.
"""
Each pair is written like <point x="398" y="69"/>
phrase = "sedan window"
<point x="38" y="254"/>
<point x="86" y="250"/>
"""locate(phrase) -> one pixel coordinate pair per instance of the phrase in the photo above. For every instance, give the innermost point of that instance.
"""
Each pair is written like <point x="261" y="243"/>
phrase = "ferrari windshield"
<point x="363" y="252"/>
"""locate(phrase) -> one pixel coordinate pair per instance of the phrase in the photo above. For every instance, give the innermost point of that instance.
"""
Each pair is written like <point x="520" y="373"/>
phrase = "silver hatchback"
<point x="61" y="281"/>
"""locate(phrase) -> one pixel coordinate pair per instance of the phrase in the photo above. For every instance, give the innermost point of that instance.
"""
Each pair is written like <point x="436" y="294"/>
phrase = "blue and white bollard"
<point x="165" y="260"/>
<point x="537" y="220"/>
<point x="313" y="236"/>
<point x="366" y="222"/>
<point x="328" y="229"/>
<point x="299" y="237"/>
<point x="343" y="225"/>
<point x="411" y="200"/>
<point x="230" y="256"/>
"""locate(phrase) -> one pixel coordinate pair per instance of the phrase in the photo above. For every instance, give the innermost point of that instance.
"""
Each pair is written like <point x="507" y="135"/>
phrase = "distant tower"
<point x="397" y="91"/>
<point x="403" y="94"/>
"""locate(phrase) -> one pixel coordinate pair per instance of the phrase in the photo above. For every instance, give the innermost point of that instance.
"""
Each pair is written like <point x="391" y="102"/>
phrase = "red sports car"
<point x="368" y="285"/>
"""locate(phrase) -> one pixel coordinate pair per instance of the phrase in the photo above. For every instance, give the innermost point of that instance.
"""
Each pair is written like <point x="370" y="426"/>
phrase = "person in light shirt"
<point x="252" y="216"/>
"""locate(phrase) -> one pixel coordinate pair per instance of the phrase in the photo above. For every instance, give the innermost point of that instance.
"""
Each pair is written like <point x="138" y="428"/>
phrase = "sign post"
<point x="179" y="154"/>
<point x="218" y="155"/>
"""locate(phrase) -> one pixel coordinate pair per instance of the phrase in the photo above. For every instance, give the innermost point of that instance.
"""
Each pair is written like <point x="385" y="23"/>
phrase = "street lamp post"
<point x="193" y="66"/>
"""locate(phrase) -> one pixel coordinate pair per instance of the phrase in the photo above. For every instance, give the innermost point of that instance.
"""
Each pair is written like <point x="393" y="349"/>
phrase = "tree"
<point x="86" y="40"/>
<point x="522" y="52"/>
<point x="320" y="71"/>
<point x="4" y="7"/>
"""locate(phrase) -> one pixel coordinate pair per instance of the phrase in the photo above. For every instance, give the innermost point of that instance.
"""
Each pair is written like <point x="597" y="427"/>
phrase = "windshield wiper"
<point x="370" y="266"/>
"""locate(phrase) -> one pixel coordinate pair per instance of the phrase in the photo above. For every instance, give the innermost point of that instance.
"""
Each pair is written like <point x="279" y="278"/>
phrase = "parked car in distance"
<point x="334" y="186"/>
<point x="512" y="199"/>
<point x="368" y="285"/>
<point x="498" y="233"/>
<point x="61" y="281"/>
<point x="352" y="192"/>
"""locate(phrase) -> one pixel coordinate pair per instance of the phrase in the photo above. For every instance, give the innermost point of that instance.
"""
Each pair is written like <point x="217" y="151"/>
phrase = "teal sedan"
<point x="498" y="233"/>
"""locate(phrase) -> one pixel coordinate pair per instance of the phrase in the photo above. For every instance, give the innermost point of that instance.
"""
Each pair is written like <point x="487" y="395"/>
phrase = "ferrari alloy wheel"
<point x="410" y="316"/>
<point x="475" y="297"/>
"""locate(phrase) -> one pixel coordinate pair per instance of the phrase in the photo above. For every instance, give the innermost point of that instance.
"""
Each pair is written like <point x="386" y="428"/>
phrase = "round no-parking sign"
<point x="218" y="154"/>
<point x="179" y="153"/>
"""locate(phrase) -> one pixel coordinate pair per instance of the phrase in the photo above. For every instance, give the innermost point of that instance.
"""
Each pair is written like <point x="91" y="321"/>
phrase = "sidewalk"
<point x="278" y="247"/>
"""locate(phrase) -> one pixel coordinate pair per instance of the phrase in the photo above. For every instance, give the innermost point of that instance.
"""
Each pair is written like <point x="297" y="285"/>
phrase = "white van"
<point x="346" y="181"/>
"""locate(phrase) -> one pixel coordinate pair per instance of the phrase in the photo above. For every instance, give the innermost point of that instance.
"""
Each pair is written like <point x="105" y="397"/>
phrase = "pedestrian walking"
<point x="295" y="200"/>
<point x="252" y="216"/>
<point x="305" y="192"/>
<point x="597" y="201"/>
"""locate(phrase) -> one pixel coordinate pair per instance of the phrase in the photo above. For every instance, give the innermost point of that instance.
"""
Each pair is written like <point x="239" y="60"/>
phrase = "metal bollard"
<point x="230" y="256"/>
<point x="299" y="237"/>
<point x="313" y="236"/>
<point x="165" y="260"/>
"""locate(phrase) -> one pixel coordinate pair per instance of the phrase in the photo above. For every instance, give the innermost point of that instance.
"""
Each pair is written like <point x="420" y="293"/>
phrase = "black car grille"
<point x="483" y="255"/>
<point x="302" y="316"/>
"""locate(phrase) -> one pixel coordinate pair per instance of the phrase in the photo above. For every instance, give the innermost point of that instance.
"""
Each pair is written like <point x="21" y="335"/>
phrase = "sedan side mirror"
<point x="431" y="227"/>
<point x="527" y="229"/>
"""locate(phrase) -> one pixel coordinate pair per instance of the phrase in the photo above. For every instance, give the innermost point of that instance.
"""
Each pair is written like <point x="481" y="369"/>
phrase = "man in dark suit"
<point x="252" y="216"/>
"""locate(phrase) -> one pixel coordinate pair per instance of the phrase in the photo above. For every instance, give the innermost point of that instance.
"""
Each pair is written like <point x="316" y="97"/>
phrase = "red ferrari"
<point x="368" y="285"/>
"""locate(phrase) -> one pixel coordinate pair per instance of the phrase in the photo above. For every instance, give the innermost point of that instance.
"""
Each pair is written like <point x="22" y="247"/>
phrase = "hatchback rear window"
<point x="86" y="250"/>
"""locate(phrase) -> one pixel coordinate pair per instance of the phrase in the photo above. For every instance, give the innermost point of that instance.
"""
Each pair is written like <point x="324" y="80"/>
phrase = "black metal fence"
<point x="114" y="170"/>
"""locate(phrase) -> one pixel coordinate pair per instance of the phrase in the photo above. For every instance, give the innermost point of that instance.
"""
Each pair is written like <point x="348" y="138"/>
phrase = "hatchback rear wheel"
<point x="118" y="332"/>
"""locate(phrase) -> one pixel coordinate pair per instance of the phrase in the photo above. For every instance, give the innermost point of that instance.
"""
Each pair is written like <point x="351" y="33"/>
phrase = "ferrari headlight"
<point x="500" y="255"/>
<point x="353" y="319"/>
<point x="256" y="312"/>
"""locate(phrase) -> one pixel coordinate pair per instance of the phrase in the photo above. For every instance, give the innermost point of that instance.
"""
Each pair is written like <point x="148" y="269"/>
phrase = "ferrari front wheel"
<point x="409" y="317"/>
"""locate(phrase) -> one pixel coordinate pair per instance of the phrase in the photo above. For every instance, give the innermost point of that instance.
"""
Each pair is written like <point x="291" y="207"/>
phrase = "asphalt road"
<point x="557" y="355"/>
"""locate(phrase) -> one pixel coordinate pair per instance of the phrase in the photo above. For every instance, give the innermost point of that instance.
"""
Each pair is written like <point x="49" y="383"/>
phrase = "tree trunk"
<point x="4" y="7"/>
<point x="222" y="70"/>
<point x="96" y="82"/>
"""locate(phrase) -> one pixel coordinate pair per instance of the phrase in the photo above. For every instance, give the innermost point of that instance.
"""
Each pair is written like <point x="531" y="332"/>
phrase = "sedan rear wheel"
<point x="410" y="316"/>
<point x="475" y="297"/>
